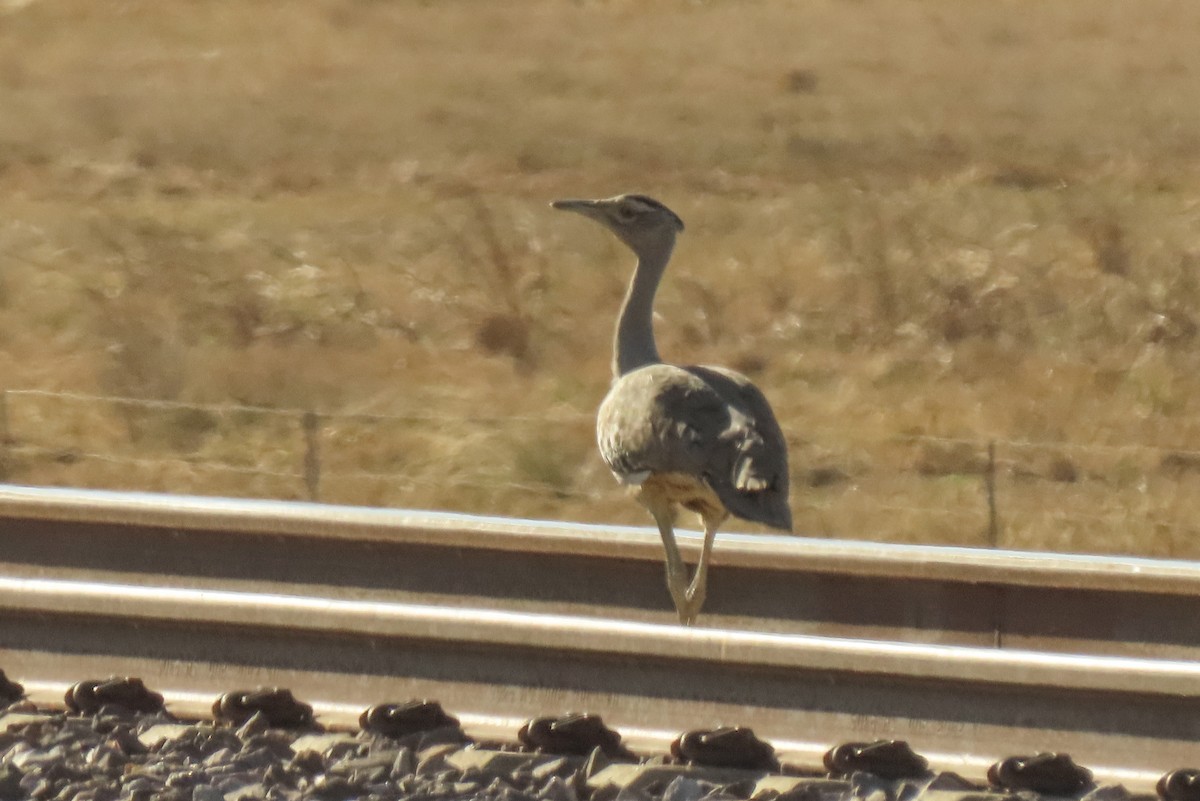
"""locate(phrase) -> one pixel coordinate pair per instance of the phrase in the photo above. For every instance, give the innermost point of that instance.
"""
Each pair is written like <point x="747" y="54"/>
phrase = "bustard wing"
<point x="749" y="457"/>
<point x="707" y="422"/>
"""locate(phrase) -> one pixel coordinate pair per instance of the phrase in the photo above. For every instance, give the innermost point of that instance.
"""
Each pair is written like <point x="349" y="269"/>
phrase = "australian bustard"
<point x="701" y="438"/>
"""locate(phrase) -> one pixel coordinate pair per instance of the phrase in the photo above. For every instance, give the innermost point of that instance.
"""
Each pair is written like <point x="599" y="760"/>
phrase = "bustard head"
<point x="640" y="222"/>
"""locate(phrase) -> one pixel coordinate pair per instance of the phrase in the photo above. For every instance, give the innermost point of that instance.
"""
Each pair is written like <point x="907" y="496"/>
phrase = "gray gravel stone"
<point x="555" y="766"/>
<point x="684" y="788"/>
<point x="121" y="756"/>
<point x="556" y="789"/>
<point x="433" y="760"/>
<point x="867" y="787"/>
<point x="255" y="724"/>
<point x="10" y="783"/>
<point x="404" y="763"/>
<point x="206" y="792"/>
<point x="1108" y="794"/>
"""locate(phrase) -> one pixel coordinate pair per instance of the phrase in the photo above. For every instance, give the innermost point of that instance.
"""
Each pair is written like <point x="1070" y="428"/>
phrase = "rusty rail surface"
<point x="954" y="596"/>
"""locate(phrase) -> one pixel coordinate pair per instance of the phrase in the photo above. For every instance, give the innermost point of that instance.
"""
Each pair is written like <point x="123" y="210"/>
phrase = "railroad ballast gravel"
<point x="116" y="753"/>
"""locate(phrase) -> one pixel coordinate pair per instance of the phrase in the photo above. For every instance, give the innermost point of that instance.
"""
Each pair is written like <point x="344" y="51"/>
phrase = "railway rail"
<point x="969" y="655"/>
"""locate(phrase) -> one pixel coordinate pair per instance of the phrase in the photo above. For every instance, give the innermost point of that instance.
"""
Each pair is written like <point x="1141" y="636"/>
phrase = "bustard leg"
<point x="696" y="591"/>
<point x="677" y="575"/>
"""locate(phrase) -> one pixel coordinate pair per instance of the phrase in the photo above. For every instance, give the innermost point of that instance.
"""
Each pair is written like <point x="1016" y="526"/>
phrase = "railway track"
<point x="968" y="655"/>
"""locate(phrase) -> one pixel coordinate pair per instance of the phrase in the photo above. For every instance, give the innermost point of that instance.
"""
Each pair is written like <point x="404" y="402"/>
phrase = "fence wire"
<point x="553" y="417"/>
<point x="957" y="475"/>
<point x="241" y="408"/>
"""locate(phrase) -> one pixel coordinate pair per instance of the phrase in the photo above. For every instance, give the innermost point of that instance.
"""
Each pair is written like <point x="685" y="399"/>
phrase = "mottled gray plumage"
<point x="701" y="438"/>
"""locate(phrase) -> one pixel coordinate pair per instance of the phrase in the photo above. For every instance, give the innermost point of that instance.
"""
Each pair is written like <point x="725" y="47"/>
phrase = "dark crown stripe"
<point x="654" y="204"/>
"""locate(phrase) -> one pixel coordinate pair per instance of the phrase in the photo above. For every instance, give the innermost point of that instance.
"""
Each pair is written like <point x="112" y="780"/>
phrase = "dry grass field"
<point x="907" y="220"/>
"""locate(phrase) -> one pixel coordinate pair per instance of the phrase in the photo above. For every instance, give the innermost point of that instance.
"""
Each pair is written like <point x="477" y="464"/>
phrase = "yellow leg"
<point x="677" y="574"/>
<point x="687" y="595"/>
<point x="698" y="588"/>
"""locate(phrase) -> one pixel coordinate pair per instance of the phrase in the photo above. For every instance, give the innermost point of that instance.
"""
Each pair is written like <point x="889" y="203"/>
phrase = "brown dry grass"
<point x="905" y="219"/>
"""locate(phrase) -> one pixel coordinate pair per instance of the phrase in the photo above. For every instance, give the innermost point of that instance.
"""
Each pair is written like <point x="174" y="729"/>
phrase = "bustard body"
<point x="699" y="438"/>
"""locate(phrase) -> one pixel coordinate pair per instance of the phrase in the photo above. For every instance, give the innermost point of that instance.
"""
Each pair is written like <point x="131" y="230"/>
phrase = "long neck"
<point x="633" y="345"/>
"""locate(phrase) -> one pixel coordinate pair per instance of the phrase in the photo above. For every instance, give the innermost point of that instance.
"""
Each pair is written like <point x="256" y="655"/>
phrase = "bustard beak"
<point x="588" y="208"/>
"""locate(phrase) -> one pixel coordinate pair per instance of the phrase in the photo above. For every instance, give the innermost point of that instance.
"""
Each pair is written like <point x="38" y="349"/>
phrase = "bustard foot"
<point x="682" y="594"/>
<point x="688" y="614"/>
<point x="693" y="600"/>
<point x="688" y="598"/>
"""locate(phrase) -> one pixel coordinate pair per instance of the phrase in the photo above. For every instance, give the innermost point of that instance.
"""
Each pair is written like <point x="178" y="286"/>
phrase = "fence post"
<point x="5" y="436"/>
<point x="1000" y="601"/>
<point x="989" y="480"/>
<point x="312" y="455"/>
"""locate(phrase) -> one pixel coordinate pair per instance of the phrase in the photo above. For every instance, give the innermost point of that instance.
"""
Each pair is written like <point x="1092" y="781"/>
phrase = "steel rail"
<point x="949" y="595"/>
<point x="1128" y="719"/>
